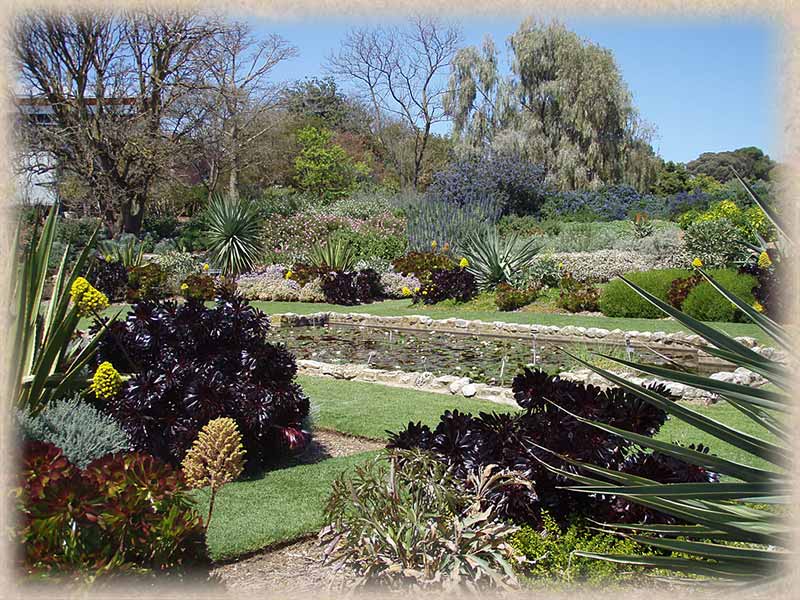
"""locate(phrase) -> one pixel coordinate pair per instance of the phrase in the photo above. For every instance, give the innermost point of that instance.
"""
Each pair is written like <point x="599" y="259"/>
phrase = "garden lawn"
<point x="287" y="504"/>
<point x="279" y="506"/>
<point x="368" y="410"/>
<point x="404" y="307"/>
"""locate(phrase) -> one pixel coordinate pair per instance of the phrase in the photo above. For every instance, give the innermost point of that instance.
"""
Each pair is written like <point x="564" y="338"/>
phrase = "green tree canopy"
<point x="750" y="163"/>
<point x="564" y="105"/>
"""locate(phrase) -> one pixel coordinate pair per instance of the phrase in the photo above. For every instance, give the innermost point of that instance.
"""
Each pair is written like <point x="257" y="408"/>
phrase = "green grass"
<point x="279" y="506"/>
<point x="404" y="307"/>
<point x="368" y="410"/>
<point x="287" y="504"/>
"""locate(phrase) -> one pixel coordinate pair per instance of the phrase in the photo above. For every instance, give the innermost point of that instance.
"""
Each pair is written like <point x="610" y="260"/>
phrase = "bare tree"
<point x="113" y="85"/>
<point x="402" y="75"/>
<point x="236" y="98"/>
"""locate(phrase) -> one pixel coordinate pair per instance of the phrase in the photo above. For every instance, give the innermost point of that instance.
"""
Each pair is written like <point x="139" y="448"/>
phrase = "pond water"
<point x="485" y="359"/>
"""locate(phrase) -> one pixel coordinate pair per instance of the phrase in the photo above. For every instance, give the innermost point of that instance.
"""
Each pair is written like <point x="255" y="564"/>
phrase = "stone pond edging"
<point x="552" y="333"/>
<point x="454" y="385"/>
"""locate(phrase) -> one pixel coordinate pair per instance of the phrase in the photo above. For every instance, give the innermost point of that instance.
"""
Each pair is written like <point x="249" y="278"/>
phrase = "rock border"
<point x="454" y="385"/>
<point x="504" y="329"/>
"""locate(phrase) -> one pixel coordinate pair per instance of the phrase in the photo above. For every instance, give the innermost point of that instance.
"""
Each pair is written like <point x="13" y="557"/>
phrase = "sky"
<point x="706" y="85"/>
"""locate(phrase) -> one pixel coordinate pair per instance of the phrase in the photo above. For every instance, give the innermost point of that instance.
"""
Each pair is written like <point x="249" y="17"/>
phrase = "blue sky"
<point x="706" y="85"/>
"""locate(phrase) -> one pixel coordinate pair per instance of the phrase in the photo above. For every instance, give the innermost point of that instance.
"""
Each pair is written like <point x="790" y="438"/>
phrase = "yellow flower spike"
<point x="697" y="263"/>
<point x="764" y="260"/>
<point x="757" y="306"/>
<point x="463" y="263"/>
<point x="106" y="382"/>
<point x="288" y="275"/>
<point x="88" y="299"/>
<point x="205" y="267"/>
<point x="109" y="258"/>
<point x="434" y="244"/>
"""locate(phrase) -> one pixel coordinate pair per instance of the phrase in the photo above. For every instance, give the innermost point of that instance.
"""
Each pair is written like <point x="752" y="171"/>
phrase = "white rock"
<point x="469" y="390"/>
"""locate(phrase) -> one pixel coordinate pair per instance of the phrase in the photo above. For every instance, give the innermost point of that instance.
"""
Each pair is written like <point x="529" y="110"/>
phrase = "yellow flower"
<point x="764" y="260"/>
<point x="757" y="306"/>
<point x="405" y="291"/>
<point x="205" y="267"/>
<point x="463" y="263"/>
<point x="184" y="286"/>
<point x="288" y="275"/>
<point x="106" y="382"/>
<point x="434" y="244"/>
<point x="561" y="265"/>
<point x="697" y="263"/>
<point x="424" y="292"/>
<point x="87" y="297"/>
<point x="416" y="289"/>
<point x="109" y="258"/>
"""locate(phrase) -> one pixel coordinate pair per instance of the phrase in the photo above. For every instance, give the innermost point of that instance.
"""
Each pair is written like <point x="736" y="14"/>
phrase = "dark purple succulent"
<point x="189" y="364"/>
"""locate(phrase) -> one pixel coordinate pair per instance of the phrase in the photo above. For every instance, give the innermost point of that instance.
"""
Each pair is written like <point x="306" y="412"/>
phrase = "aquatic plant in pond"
<point x="484" y="359"/>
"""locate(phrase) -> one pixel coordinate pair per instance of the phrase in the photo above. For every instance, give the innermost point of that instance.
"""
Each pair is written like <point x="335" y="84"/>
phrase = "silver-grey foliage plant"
<point x="82" y="432"/>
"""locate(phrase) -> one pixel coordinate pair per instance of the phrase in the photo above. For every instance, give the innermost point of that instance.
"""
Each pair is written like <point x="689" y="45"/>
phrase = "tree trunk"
<point x="133" y="214"/>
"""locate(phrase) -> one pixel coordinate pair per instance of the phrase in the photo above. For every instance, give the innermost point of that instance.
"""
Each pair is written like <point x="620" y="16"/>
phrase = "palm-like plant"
<point x="734" y="530"/>
<point x="335" y="254"/>
<point x="48" y="359"/>
<point x="493" y="260"/>
<point x="234" y="234"/>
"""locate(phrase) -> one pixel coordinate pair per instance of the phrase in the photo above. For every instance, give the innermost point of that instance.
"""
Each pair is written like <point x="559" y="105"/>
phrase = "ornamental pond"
<point x="494" y="360"/>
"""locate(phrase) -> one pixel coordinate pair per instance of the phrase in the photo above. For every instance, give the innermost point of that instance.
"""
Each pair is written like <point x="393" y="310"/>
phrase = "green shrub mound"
<point x="550" y="553"/>
<point x="706" y="304"/>
<point x="78" y="429"/>
<point x="619" y="300"/>
<point x="702" y="302"/>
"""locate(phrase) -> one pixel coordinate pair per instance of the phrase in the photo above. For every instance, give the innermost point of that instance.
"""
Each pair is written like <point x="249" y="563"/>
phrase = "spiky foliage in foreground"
<point x="50" y="355"/>
<point x="734" y="531"/>
<point x="234" y="234"/>
<point x="215" y="458"/>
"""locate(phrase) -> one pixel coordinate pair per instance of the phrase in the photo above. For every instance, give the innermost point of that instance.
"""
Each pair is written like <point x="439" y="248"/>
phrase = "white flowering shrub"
<point x="604" y="265"/>
<point x="393" y="284"/>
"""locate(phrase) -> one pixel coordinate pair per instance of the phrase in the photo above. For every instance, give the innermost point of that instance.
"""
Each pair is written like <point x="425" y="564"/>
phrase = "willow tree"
<point x="564" y="105"/>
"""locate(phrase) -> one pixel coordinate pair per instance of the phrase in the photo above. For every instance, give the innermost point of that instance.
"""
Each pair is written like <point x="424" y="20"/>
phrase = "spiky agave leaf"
<point x="234" y="234"/>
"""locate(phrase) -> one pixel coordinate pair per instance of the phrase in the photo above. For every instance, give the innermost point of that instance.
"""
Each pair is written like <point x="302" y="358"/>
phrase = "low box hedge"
<point x="620" y="300"/>
<point x="703" y="302"/>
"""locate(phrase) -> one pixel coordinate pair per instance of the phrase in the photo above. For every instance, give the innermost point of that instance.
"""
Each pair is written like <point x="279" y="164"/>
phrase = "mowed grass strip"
<point x="279" y="506"/>
<point x="369" y="409"/>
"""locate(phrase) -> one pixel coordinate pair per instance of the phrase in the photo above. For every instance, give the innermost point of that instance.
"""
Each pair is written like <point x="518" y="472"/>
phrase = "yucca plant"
<point x="234" y="234"/>
<point x="493" y="260"/>
<point x="335" y="255"/>
<point x="126" y="251"/>
<point x="48" y="357"/>
<point x="734" y="531"/>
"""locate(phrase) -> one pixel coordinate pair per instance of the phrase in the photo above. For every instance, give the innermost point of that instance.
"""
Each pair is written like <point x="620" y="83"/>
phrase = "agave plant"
<point x="334" y="254"/>
<point x="49" y="359"/>
<point x="125" y="251"/>
<point x="733" y="530"/>
<point x="493" y="260"/>
<point x="234" y="234"/>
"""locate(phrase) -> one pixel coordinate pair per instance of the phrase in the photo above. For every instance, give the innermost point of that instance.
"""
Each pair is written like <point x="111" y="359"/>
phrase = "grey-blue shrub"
<point x="431" y="220"/>
<point x="81" y="431"/>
